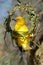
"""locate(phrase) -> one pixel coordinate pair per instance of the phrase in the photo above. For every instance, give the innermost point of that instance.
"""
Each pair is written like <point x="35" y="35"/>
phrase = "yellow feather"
<point x="21" y="28"/>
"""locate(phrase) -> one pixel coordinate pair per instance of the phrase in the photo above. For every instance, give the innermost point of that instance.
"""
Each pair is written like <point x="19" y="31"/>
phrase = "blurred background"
<point x="6" y="5"/>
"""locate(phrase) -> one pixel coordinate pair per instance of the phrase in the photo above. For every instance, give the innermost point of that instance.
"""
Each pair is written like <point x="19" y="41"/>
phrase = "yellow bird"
<point x="20" y="27"/>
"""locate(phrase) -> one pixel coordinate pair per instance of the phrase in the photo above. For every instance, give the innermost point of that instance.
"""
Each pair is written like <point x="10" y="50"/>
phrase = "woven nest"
<point x="28" y="12"/>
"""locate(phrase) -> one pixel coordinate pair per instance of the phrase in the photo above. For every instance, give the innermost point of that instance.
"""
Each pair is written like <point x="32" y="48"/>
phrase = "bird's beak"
<point x="14" y="19"/>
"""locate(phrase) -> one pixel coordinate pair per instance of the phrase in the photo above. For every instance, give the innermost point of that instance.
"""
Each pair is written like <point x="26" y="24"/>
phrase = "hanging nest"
<point x="27" y="11"/>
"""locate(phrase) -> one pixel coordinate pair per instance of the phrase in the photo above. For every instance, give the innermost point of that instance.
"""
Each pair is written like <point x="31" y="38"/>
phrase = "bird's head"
<point x="20" y="20"/>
